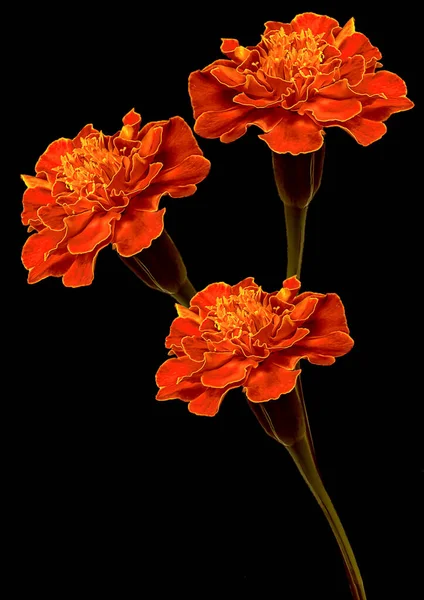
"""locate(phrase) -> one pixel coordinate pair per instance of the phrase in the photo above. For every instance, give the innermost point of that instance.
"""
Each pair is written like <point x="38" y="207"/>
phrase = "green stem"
<point x="302" y="455"/>
<point x="295" y="229"/>
<point x="185" y="293"/>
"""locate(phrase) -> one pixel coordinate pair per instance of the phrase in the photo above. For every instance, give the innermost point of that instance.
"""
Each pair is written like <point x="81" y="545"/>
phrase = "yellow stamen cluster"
<point x="90" y="166"/>
<point x="293" y="54"/>
<point x="239" y="314"/>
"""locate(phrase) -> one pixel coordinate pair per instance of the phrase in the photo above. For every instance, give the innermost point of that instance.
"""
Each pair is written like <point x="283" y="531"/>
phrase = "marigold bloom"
<point x="99" y="189"/>
<point x="239" y="335"/>
<point x="301" y="77"/>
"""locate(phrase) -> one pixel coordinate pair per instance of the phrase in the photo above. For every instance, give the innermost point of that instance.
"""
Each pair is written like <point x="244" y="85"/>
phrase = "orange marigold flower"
<point x="301" y="77"/>
<point x="99" y="189"/>
<point x="239" y="335"/>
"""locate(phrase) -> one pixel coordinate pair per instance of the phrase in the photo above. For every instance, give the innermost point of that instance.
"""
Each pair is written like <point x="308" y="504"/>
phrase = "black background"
<point x="122" y="496"/>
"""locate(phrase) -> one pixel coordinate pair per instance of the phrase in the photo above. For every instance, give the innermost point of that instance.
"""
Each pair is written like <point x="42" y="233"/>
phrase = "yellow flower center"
<point x="294" y="54"/>
<point x="89" y="167"/>
<point x="239" y="314"/>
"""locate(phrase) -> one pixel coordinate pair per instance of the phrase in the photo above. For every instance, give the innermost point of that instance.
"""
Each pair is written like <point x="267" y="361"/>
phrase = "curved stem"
<point x="302" y="455"/>
<point x="295" y="229"/>
<point x="185" y="293"/>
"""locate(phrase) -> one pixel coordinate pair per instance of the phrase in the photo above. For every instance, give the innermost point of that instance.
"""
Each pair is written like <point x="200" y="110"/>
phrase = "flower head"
<point x="239" y="335"/>
<point x="99" y="189"/>
<point x="301" y="77"/>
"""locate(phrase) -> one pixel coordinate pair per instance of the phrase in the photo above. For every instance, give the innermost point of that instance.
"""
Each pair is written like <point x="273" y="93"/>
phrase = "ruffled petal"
<point x="233" y="371"/>
<point x="81" y="272"/>
<point x="55" y="265"/>
<point x="329" y="109"/>
<point x="216" y="123"/>
<point x="333" y="344"/>
<point x="364" y="131"/>
<point x="131" y="121"/>
<point x="191" y="170"/>
<point x="228" y="76"/>
<point x="95" y="231"/>
<point x="266" y="119"/>
<point x="304" y="309"/>
<point x="269" y="381"/>
<point x="329" y="316"/>
<point x="51" y="157"/>
<point x="181" y="327"/>
<point x="294" y="134"/>
<point x="208" y="296"/>
<point x="136" y="230"/>
<point x="207" y="94"/>
<point x="33" y="199"/>
<point x="358" y="43"/>
<point x="178" y="143"/>
<point x="382" y="82"/>
<point x="208" y="403"/>
<point x="195" y="348"/>
<point x="39" y="245"/>
<point x="52" y="216"/>
<point x="186" y="390"/>
<point x="316" y="23"/>
<point x="173" y="369"/>
<point x="346" y="31"/>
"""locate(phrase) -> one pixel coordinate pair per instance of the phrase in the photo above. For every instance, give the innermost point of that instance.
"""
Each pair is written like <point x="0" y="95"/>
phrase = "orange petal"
<point x="139" y="178"/>
<point x="365" y="131"/>
<point x="316" y="23"/>
<point x="151" y="139"/>
<point x="328" y="317"/>
<point x="186" y="390"/>
<point x="178" y="143"/>
<point x="245" y="100"/>
<point x="208" y="296"/>
<point x="294" y="134"/>
<point x="33" y="199"/>
<point x="208" y="403"/>
<point x="333" y="344"/>
<point x="381" y="109"/>
<point x="51" y="157"/>
<point x="214" y="124"/>
<point x="173" y="369"/>
<point x="328" y="109"/>
<point x="276" y="25"/>
<point x="55" y="265"/>
<point x="248" y="282"/>
<point x="85" y="132"/>
<point x="358" y="43"/>
<point x="95" y="232"/>
<point x="38" y="246"/>
<point x="207" y="94"/>
<point x="319" y="359"/>
<point x="304" y="309"/>
<point x="187" y="313"/>
<point x="195" y="348"/>
<point x="269" y="381"/>
<point x="353" y="69"/>
<point x="191" y="170"/>
<point x="228" y="76"/>
<point x="81" y="271"/>
<point x="345" y="32"/>
<point x="233" y="371"/>
<point x="136" y="230"/>
<point x="382" y="82"/>
<point x="52" y="216"/>
<point x="131" y="121"/>
<point x="229" y="45"/>
<point x="266" y="119"/>
<point x="181" y="327"/>
<point x="299" y="334"/>
<point x="36" y="182"/>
